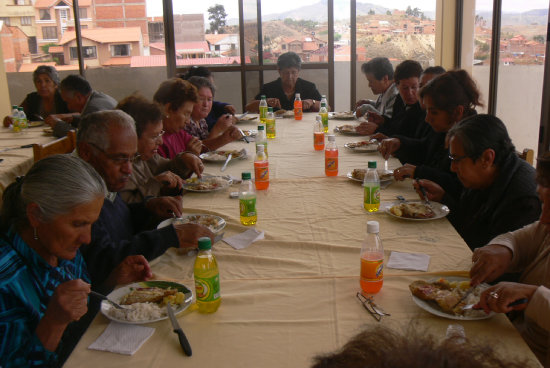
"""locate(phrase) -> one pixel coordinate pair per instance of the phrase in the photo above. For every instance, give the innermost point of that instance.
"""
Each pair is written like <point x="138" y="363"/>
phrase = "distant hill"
<point x="534" y="16"/>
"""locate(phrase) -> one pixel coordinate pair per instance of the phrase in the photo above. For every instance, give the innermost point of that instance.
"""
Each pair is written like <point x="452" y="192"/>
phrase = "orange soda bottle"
<point x="331" y="156"/>
<point x="298" y="107"/>
<point x="261" y="169"/>
<point x="372" y="260"/>
<point x="318" y="135"/>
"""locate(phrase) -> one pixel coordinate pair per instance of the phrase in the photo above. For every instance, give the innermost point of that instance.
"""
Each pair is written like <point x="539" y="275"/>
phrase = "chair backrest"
<point x="527" y="155"/>
<point x="62" y="145"/>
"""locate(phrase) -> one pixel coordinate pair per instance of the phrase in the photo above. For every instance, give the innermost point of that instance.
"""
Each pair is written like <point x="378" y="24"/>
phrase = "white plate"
<point x="221" y="155"/>
<point x="345" y="115"/>
<point x="339" y="130"/>
<point x="439" y="209"/>
<point x="434" y="309"/>
<point x="116" y="296"/>
<point x="35" y="123"/>
<point x="382" y="181"/>
<point x="372" y="147"/>
<point x="196" y="219"/>
<point x="190" y="184"/>
<point x="247" y="119"/>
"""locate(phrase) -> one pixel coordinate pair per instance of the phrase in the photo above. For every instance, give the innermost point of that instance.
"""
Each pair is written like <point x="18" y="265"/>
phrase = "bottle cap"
<point x="13" y="107"/>
<point x="20" y="108"/>
<point x="205" y="243"/>
<point x="331" y="138"/>
<point x="297" y="95"/>
<point x="323" y="96"/>
<point x="270" y="109"/>
<point x="263" y="97"/>
<point x="261" y="127"/>
<point x="373" y="227"/>
<point x="246" y="175"/>
<point x="260" y="148"/>
<point x="372" y="165"/>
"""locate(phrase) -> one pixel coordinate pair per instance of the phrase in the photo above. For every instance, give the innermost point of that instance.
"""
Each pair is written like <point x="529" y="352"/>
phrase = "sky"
<point x="154" y="7"/>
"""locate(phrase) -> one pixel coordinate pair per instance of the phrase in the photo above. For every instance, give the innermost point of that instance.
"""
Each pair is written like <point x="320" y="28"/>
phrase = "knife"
<point x="468" y="292"/>
<point x="177" y="329"/>
<point x="244" y="136"/>
<point x="241" y="117"/>
<point x="14" y="148"/>
<point x="423" y="191"/>
<point x="226" y="161"/>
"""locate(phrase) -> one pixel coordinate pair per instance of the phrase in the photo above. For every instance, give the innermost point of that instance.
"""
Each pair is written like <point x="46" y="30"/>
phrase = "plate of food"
<point x="347" y="129"/>
<point x="36" y="123"/>
<point x="363" y="146"/>
<point x="213" y="222"/>
<point x="145" y="302"/>
<point x="206" y="184"/>
<point x="417" y="210"/>
<point x="247" y="119"/>
<point x="344" y="115"/>
<point x="285" y="114"/>
<point x="250" y="134"/>
<point x="440" y="297"/>
<point x="221" y="156"/>
<point x="359" y="175"/>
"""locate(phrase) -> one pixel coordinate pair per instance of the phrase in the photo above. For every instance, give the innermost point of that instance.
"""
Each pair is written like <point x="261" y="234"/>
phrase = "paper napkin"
<point x="409" y="261"/>
<point x="122" y="338"/>
<point x="243" y="240"/>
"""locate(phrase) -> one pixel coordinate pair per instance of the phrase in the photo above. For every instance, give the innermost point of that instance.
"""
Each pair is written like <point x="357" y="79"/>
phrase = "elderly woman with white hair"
<point x="44" y="284"/>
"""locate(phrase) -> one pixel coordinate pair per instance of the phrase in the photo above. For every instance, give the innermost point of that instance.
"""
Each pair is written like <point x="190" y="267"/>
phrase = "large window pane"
<point x="521" y="69"/>
<point x="482" y="48"/>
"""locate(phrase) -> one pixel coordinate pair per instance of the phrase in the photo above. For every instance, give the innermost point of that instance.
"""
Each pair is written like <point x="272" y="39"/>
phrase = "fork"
<point x="103" y="297"/>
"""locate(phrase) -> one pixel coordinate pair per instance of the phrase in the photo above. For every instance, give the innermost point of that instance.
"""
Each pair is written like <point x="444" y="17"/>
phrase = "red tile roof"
<point x="41" y="4"/>
<point x="106" y="35"/>
<point x="55" y="49"/>
<point x="160" y="60"/>
<point x="32" y="66"/>
<point x="118" y="61"/>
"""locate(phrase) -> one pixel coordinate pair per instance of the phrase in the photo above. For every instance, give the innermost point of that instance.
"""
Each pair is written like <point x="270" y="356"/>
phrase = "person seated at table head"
<point x="526" y="250"/>
<point x="108" y="141"/>
<point x="407" y="115"/>
<point x="379" y="74"/>
<point x="381" y="347"/>
<point x="81" y="99"/>
<point x="44" y="284"/>
<point x="218" y="108"/>
<point x="197" y="125"/>
<point x="153" y="175"/>
<point x="46" y="100"/>
<point x="176" y="99"/>
<point x="449" y="98"/>
<point x="499" y="193"/>
<point x="281" y="92"/>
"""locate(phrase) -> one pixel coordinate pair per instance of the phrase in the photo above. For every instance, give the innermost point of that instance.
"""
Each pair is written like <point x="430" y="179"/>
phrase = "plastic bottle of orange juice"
<point x="261" y="169"/>
<point x="298" y="107"/>
<point x="318" y="135"/>
<point x="372" y="260"/>
<point x="331" y="156"/>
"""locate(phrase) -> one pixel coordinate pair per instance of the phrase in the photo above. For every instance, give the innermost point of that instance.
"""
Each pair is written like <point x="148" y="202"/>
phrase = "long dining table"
<point x="292" y="295"/>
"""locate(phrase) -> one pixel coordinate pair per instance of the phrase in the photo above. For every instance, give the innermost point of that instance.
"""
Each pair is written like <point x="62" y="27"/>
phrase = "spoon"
<point x="103" y="297"/>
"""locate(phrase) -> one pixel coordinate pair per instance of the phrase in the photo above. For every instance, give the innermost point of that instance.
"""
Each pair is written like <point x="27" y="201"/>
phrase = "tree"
<point x="388" y="12"/>
<point x="217" y="17"/>
<point x="539" y="38"/>
<point x="371" y="12"/>
<point x="409" y="10"/>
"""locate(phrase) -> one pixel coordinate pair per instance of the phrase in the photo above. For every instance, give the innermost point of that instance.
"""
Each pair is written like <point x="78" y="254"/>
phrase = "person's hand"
<point x="8" y="121"/>
<point x="388" y="146"/>
<point x="489" y="262"/>
<point x="231" y="134"/>
<point x="274" y="102"/>
<point x="131" y="269"/>
<point x="222" y="124"/>
<point x="361" y="102"/>
<point x="165" y="207"/>
<point x="375" y="118"/>
<point x="52" y="120"/>
<point x="193" y="162"/>
<point x="68" y="303"/>
<point x="189" y="234"/>
<point x="307" y="104"/>
<point x="366" y="128"/>
<point x="498" y="297"/>
<point x="379" y="137"/>
<point x="434" y="192"/>
<point x="194" y="145"/>
<point x="170" y="180"/>
<point x="404" y="172"/>
<point x="230" y="109"/>
<point x="358" y="112"/>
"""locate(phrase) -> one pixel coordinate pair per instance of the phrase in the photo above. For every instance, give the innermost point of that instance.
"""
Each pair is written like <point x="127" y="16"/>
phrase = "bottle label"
<point x="324" y="119"/>
<point x="261" y="173"/>
<point x="270" y="127"/>
<point x="263" y="112"/>
<point x="372" y="194"/>
<point x="331" y="163"/>
<point x="207" y="288"/>
<point x="248" y="207"/>
<point x="372" y="270"/>
<point x="318" y="139"/>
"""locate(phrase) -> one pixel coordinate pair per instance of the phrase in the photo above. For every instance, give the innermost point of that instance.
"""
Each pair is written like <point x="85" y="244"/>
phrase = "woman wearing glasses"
<point x="499" y="193"/>
<point x="153" y="175"/>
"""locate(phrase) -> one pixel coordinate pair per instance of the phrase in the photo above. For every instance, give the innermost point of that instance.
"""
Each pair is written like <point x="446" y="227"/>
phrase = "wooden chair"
<point x="527" y="155"/>
<point x="62" y="145"/>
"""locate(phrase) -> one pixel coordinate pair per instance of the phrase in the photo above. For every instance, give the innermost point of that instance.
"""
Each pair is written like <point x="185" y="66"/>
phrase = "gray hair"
<point x="201" y="82"/>
<point x="50" y="71"/>
<point x="94" y="127"/>
<point x="57" y="184"/>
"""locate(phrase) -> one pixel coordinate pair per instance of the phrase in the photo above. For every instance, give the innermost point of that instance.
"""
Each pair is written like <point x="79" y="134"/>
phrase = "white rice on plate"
<point x="138" y="312"/>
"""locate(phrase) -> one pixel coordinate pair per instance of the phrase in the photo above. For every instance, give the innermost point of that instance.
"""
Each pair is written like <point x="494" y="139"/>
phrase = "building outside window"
<point x="120" y="50"/>
<point x="89" y="52"/>
<point x="49" y="33"/>
<point x="26" y="21"/>
<point x="45" y="14"/>
<point x="6" y="20"/>
<point x="83" y="13"/>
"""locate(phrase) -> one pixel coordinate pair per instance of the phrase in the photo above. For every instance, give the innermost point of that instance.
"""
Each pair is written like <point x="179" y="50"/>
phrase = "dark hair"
<point x="176" y="92"/>
<point x="451" y="89"/>
<point x="196" y="71"/>
<point x="75" y="83"/>
<point x="289" y="60"/>
<point x="379" y="67"/>
<point x="142" y="110"/>
<point x="543" y="169"/>
<point x="201" y="82"/>
<point x="480" y="132"/>
<point x="50" y="71"/>
<point x="435" y="70"/>
<point x="380" y="347"/>
<point x="407" y="69"/>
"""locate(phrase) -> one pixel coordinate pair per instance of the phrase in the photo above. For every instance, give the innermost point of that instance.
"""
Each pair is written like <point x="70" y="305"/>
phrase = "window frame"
<point x="73" y="50"/>
<point x="49" y="28"/>
<point x="126" y="45"/>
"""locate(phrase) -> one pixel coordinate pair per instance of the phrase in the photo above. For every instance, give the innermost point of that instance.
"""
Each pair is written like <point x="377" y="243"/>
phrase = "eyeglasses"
<point x="116" y="158"/>
<point x="159" y="136"/>
<point x="455" y="159"/>
<point x="371" y="307"/>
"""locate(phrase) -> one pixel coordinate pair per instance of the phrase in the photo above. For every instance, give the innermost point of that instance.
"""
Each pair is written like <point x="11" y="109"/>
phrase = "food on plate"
<point x="138" y="312"/>
<point x="359" y="174"/>
<point x="346" y="128"/>
<point x="148" y="295"/>
<point x="222" y="155"/>
<point x="413" y="210"/>
<point x="205" y="220"/>
<point x="446" y="294"/>
<point x="205" y="183"/>
<point x="343" y="115"/>
<point x="249" y="133"/>
<point x="280" y="112"/>
<point x="363" y="144"/>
